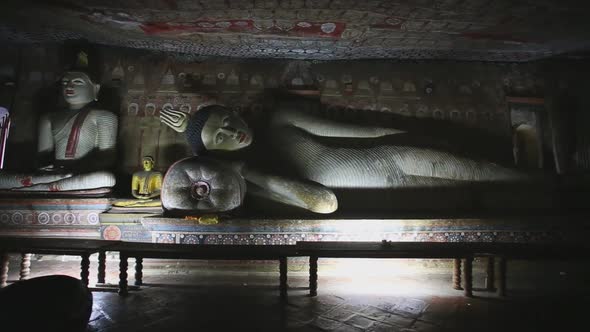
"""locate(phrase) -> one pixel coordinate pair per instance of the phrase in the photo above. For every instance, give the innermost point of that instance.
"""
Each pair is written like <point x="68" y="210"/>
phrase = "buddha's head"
<point x="211" y="128"/>
<point x="148" y="163"/>
<point x="78" y="89"/>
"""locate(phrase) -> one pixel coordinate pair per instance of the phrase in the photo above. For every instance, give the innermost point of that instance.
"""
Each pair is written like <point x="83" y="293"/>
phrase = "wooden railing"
<point x="462" y="253"/>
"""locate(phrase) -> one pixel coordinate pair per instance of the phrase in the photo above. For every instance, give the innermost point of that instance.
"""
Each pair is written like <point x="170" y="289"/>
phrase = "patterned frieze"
<point x="124" y="226"/>
<point x="51" y="212"/>
<point x="288" y="231"/>
<point x="125" y="231"/>
<point x="292" y="238"/>
<point x="78" y="218"/>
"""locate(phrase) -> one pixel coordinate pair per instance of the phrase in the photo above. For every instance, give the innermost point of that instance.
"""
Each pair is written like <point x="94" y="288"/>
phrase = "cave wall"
<point x="500" y="30"/>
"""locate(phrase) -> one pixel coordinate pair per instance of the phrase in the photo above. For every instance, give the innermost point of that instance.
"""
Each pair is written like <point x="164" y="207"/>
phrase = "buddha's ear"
<point x="96" y="90"/>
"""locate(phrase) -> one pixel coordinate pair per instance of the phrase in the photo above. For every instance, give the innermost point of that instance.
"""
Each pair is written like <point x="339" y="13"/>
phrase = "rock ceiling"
<point x="489" y="30"/>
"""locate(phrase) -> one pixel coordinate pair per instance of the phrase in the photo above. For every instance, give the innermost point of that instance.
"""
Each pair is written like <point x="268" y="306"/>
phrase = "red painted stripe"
<point x="75" y="134"/>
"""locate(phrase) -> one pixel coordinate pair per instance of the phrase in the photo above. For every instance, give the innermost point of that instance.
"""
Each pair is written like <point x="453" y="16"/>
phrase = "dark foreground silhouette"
<point x="49" y="303"/>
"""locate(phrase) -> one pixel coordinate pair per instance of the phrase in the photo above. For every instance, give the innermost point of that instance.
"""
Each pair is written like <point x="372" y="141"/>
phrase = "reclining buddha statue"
<point x="202" y="184"/>
<point x="324" y="156"/>
<point x="80" y="141"/>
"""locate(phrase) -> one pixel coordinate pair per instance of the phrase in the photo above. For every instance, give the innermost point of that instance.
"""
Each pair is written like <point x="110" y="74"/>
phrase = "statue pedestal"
<point x="124" y="226"/>
<point x="88" y="218"/>
<point x="59" y="217"/>
<point x="288" y="231"/>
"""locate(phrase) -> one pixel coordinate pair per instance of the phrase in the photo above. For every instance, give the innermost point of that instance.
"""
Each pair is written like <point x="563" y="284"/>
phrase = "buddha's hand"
<point x="176" y="120"/>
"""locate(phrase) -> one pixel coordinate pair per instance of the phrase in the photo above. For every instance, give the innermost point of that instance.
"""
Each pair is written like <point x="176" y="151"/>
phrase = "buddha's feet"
<point x="58" y="183"/>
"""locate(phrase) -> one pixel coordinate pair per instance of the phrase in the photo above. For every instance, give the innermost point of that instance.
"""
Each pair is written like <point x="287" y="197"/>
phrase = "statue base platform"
<point x="42" y="217"/>
<point x="94" y="218"/>
<point x="126" y="226"/>
<point x="157" y="229"/>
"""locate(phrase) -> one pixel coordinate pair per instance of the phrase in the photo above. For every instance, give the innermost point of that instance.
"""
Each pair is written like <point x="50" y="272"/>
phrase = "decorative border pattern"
<point x="51" y="212"/>
<point x="289" y="231"/>
<point x="131" y="232"/>
<point x="292" y="238"/>
<point x="49" y="218"/>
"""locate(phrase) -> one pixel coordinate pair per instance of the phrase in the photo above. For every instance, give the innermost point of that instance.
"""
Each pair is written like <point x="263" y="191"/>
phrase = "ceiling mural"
<point x="499" y="30"/>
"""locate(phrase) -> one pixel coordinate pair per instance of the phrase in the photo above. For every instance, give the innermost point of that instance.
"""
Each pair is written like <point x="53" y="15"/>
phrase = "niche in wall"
<point x="526" y="119"/>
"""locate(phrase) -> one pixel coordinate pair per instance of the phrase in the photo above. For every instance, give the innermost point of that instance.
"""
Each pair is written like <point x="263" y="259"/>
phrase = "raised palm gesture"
<point x="176" y="120"/>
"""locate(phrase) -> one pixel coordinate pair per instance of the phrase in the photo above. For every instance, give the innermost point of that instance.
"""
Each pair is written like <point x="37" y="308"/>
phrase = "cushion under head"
<point x="200" y="185"/>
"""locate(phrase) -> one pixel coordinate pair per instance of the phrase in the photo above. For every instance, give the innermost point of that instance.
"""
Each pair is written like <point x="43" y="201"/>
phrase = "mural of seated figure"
<point x="79" y="140"/>
<point x="199" y="184"/>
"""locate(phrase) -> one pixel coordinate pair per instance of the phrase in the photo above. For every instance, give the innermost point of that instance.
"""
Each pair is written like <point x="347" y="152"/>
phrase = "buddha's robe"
<point x="83" y="146"/>
<point x="146" y="183"/>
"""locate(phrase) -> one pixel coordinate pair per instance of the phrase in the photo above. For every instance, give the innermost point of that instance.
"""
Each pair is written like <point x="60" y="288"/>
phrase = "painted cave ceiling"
<point x="489" y="30"/>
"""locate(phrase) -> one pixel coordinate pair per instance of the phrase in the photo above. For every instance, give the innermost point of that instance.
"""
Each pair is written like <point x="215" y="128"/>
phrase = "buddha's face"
<point x="225" y="130"/>
<point x="78" y="89"/>
<point x="148" y="164"/>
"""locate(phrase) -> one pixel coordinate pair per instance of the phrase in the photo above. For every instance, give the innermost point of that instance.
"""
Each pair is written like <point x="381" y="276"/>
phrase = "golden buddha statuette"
<point x="146" y="184"/>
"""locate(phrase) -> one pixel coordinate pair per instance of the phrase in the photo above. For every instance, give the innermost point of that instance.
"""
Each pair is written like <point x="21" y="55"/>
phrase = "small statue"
<point x="80" y="141"/>
<point x="146" y="184"/>
<point x="204" y="185"/>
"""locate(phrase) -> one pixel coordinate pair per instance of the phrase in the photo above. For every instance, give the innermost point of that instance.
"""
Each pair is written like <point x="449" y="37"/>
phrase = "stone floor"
<point x="405" y="295"/>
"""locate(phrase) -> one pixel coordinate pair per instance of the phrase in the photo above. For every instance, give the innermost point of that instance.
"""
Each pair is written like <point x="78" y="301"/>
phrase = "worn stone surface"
<point x="360" y="322"/>
<point x="218" y="297"/>
<point x="387" y="317"/>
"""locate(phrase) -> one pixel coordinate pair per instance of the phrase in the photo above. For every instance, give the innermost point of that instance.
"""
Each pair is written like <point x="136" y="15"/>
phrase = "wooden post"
<point x="4" y="259"/>
<point x="457" y="274"/>
<point x="25" y="266"/>
<point x="501" y="277"/>
<point x="313" y="275"/>
<point x="123" y="274"/>
<point x="468" y="276"/>
<point x="85" y="268"/>
<point x="138" y="271"/>
<point x="102" y="265"/>
<point x="491" y="275"/>
<point x="283" y="277"/>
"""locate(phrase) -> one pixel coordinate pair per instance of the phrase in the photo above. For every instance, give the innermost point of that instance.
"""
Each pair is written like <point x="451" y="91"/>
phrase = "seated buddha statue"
<point x="146" y="184"/>
<point x="204" y="185"/>
<point x="77" y="145"/>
